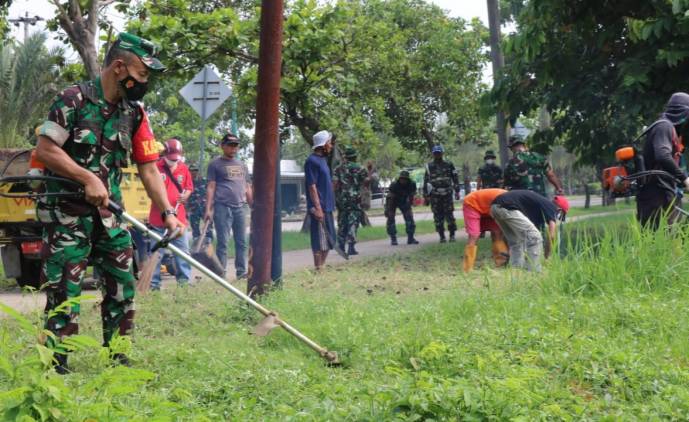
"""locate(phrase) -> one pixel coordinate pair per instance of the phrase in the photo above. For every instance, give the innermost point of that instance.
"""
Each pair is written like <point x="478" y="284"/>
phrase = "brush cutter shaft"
<point x="194" y="263"/>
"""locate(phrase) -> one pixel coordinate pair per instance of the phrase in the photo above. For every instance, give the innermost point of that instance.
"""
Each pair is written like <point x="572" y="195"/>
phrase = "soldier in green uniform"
<point x="197" y="207"/>
<point x="401" y="195"/>
<point x="92" y="131"/>
<point x="490" y="174"/>
<point x="528" y="170"/>
<point x="349" y="179"/>
<point x="439" y="182"/>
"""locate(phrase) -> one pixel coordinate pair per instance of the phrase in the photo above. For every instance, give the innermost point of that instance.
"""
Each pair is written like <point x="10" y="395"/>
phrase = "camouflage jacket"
<point x="349" y="179"/>
<point x="527" y="170"/>
<point x="401" y="194"/>
<point x="491" y="176"/>
<point x="440" y="179"/>
<point x="197" y="200"/>
<point x="99" y="137"/>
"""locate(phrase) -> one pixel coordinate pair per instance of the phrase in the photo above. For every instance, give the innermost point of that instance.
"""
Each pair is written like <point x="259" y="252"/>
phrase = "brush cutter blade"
<point x="332" y="358"/>
<point x="266" y="325"/>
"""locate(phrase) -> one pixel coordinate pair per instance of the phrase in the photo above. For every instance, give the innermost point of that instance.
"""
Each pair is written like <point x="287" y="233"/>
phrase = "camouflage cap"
<point x="350" y="152"/>
<point x="144" y="49"/>
<point x="404" y="174"/>
<point x="490" y="154"/>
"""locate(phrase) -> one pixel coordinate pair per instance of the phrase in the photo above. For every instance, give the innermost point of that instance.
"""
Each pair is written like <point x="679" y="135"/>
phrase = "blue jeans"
<point x="183" y="273"/>
<point x="226" y="218"/>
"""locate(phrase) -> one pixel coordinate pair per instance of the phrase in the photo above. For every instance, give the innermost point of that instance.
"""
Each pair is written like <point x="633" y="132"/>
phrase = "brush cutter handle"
<point x="328" y="355"/>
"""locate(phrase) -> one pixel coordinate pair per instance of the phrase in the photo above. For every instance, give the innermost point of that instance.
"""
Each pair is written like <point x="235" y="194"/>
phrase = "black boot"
<point x="442" y="236"/>
<point x="393" y="240"/>
<point x="452" y="236"/>
<point x="120" y="359"/>
<point x="60" y="364"/>
<point x="341" y="244"/>
<point x="411" y="240"/>
<point x="351" y="250"/>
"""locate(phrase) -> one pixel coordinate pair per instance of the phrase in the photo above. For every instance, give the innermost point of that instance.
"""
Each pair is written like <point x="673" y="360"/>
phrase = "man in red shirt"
<point x="179" y="186"/>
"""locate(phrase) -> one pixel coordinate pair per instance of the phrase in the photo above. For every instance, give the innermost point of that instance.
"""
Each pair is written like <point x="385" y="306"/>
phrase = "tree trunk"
<point x="587" y="191"/>
<point x="498" y="63"/>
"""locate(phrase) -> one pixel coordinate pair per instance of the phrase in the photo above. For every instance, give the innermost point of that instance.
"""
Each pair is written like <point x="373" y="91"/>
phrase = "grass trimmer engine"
<point x="616" y="179"/>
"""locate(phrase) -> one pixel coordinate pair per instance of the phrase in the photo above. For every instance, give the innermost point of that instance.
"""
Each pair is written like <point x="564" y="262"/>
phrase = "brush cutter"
<point x="271" y="319"/>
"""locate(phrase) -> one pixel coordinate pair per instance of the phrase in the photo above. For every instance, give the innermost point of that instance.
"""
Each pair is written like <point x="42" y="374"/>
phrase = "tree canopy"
<point x="369" y="71"/>
<point x="604" y="69"/>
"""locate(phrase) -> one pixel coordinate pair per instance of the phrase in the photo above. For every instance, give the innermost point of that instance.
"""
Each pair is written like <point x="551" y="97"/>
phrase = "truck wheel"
<point x="31" y="273"/>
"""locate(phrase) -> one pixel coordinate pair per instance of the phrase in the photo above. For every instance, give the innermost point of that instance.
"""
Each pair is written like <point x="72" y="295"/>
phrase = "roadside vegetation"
<point x="601" y="333"/>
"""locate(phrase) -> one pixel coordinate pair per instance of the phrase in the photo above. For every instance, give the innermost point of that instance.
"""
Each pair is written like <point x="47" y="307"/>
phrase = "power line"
<point x="26" y="20"/>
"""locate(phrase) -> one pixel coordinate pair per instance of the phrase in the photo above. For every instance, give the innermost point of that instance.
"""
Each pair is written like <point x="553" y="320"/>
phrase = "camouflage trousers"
<point x="65" y="254"/>
<point x="409" y="224"/>
<point x="443" y="208"/>
<point x="347" y="224"/>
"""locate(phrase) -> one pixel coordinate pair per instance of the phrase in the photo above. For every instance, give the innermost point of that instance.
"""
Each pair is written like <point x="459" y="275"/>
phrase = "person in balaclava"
<point x="662" y="150"/>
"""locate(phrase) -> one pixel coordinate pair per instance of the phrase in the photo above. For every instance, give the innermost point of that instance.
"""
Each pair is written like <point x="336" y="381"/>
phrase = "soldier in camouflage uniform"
<point x="439" y="182"/>
<point x="91" y="131"/>
<point x="401" y="195"/>
<point x="349" y="179"/>
<point x="197" y="207"/>
<point x="489" y="175"/>
<point x="528" y="170"/>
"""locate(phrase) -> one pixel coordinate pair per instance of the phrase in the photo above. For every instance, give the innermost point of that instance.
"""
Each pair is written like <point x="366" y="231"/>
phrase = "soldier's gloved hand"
<point x="686" y="184"/>
<point x="95" y="192"/>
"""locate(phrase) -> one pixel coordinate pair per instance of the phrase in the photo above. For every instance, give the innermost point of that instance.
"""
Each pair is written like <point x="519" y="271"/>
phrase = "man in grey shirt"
<point x="228" y="193"/>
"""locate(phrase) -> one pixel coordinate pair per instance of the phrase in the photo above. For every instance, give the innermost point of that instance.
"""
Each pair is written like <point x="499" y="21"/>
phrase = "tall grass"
<point x="615" y="255"/>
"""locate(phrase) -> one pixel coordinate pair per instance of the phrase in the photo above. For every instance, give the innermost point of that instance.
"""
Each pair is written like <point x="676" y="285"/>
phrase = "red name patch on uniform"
<point x="144" y="147"/>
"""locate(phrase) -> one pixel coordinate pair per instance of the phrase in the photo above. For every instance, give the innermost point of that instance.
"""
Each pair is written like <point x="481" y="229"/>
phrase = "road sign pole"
<point x="202" y="141"/>
<point x="233" y="101"/>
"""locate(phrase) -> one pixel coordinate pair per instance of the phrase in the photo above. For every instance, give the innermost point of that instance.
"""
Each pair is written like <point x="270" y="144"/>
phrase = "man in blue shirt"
<point x="320" y="198"/>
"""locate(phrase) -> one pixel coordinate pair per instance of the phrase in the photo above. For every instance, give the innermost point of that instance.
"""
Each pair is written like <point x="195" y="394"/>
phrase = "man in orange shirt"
<point x="477" y="219"/>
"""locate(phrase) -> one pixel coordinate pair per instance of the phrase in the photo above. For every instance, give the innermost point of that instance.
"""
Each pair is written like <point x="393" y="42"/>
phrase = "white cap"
<point x="321" y="138"/>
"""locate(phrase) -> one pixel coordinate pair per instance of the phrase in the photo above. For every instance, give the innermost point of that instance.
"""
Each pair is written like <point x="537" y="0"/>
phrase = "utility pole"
<point x="498" y="63"/>
<point x="26" y="20"/>
<point x="266" y="145"/>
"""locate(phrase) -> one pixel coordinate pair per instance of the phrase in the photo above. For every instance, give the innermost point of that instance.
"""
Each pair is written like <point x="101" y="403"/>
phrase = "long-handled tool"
<point x="206" y="256"/>
<point x="143" y="284"/>
<point x="271" y="319"/>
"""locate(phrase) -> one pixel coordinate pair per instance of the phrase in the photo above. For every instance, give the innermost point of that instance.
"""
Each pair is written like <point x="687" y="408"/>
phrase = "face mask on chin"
<point x="132" y="89"/>
<point x="171" y="163"/>
<point x="490" y="162"/>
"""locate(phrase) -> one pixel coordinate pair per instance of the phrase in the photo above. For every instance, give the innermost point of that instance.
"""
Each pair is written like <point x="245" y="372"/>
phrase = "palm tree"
<point x="29" y="73"/>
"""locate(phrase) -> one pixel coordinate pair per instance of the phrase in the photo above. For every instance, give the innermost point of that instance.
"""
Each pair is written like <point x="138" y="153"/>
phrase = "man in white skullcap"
<point x="320" y="198"/>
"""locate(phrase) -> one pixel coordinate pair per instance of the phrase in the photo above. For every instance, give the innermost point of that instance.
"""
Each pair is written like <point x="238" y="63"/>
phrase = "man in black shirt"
<point x="401" y="195"/>
<point x="662" y="150"/>
<point x="521" y="214"/>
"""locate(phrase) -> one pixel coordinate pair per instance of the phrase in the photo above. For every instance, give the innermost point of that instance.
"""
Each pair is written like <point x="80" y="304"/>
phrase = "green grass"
<point x="418" y="340"/>
<point x="295" y="240"/>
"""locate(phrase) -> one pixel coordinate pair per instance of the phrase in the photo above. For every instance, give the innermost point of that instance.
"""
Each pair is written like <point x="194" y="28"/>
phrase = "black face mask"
<point x="133" y="89"/>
